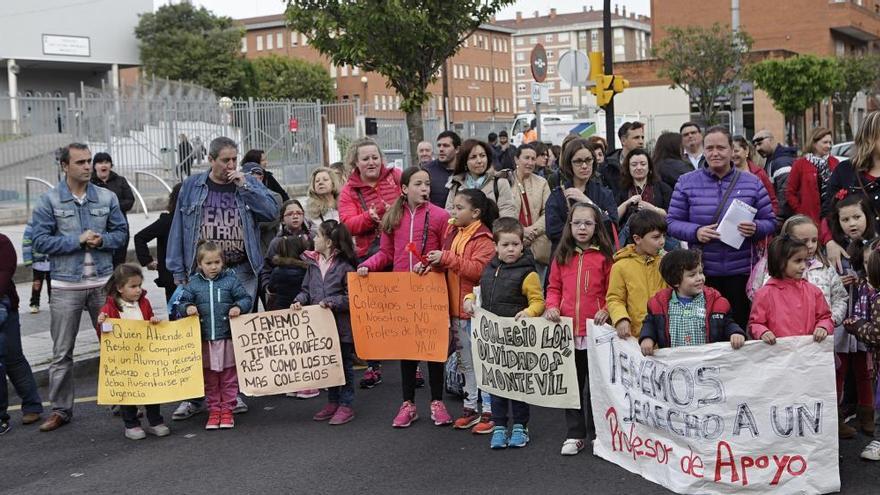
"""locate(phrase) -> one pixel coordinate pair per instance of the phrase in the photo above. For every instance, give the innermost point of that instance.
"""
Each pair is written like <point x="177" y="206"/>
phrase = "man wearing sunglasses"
<point x="778" y="160"/>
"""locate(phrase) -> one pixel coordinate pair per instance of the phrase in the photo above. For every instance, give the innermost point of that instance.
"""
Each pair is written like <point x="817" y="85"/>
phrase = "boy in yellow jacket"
<point x="635" y="275"/>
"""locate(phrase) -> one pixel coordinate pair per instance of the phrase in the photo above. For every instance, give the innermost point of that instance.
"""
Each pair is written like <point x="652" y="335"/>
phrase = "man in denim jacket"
<point x="79" y="226"/>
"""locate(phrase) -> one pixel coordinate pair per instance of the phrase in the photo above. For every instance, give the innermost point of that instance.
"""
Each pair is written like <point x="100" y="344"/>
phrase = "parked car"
<point x="842" y="151"/>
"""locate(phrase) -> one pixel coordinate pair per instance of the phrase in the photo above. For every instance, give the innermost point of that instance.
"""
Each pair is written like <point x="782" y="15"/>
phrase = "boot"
<point x="844" y="430"/>
<point x="865" y="417"/>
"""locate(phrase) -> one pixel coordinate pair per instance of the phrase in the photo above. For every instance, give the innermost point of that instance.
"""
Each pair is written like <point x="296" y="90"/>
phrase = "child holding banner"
<point x="412" y="227"/>
<point x="509" y="286"/>
<point x="215" y="294"/>
<point x="689" y="313"/>
<point x="808" y="312"/>
<point x="579" y="275"/>
<point x="635" y="276"/>
<point x="466" y="250"/>
<point x="127" y="300"/>
<point x="326" y="283"/>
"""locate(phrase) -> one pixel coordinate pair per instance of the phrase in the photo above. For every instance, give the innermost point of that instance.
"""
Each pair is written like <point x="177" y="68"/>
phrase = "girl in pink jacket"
<point x="805" y="310"/>
<point x="412" y="228"/>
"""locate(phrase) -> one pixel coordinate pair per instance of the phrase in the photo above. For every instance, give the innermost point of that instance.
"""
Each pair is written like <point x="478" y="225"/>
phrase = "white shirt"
<point x="694" y="159"/>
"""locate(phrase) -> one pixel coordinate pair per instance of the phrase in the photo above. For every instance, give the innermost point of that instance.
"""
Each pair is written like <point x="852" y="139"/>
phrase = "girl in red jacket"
<point x="412" y="228"/>
<point x="467" y="249"/>
<point x="806" y="312"/>
<point x="579" y="273"/>
<point x="128" y="301"/>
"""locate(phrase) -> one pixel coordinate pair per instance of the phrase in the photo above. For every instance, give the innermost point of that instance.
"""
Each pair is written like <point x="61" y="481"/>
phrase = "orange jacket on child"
<point x="577" y="289"/>
<point x="463" y="271"/>
<point x="789" y="307"/>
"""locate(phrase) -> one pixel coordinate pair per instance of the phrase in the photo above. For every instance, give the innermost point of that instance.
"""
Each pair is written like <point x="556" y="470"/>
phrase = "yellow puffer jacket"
<point x="634" y="280"/>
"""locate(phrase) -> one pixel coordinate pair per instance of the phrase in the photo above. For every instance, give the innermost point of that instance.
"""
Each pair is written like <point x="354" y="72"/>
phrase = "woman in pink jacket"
<point x="806" y="311"/>
<point x="412" y="228"/>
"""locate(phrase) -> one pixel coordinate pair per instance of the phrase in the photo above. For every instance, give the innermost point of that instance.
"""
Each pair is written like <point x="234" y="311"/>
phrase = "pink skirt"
<point x="217" y="355"/>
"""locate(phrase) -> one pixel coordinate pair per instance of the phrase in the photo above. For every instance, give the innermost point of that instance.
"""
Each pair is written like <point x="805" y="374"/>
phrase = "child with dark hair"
<point x="688" y="313"/>
<point x="510" y="287"/>
<point x="806" y="311"/>
<point x="635" y="276"/>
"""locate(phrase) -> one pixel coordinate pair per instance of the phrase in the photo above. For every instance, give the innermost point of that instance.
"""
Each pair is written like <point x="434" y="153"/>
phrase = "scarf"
<point x="463" y="236"/>
<point x="474" y="183"/>
<point x="824" y="173"/>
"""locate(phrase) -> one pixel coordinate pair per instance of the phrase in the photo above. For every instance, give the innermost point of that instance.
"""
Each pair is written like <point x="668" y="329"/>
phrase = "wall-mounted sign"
<point x="74" y="46"/>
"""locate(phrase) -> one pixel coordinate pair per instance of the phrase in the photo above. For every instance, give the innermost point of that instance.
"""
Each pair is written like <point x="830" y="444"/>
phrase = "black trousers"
<point x="733" y="288"/>
<point x="436" y="376"/>
<point x="580" y="421"/>
<point x="129" y="415"/>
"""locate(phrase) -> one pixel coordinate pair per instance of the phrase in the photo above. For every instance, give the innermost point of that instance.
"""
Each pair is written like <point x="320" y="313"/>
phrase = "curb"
<point x="85" y="364"/>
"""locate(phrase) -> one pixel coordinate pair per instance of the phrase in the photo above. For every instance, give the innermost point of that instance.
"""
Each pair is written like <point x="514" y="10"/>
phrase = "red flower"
<point x="841" y="194"/>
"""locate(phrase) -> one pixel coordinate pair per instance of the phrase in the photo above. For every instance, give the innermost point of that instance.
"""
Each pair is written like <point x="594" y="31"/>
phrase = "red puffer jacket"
<point x="578" y="288"/>
<point x="357" y="218"/>
<point x="111" y="309"/>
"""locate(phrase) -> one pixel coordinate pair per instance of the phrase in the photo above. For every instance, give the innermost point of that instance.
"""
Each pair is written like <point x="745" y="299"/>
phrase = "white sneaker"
<point x="35" y="310"/>
<point x="187" y="409"/>
<point x="872" y="451"/>
<point x="136" y="433"/>
<point x="572" y="446"/>
<point x="240" y="406"/>
<point x="158" y="430"/>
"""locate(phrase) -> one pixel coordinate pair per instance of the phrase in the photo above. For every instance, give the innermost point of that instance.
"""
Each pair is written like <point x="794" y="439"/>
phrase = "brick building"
<point x="480" y="74"/>
<point x="559" y="33"/>
<point x="818" y="27"/>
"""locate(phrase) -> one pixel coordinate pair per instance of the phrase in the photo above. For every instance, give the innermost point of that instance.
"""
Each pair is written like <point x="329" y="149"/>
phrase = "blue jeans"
<point x="344" y="394"/>
<point x="15" y="365"/>
<point x="500" y="406"/>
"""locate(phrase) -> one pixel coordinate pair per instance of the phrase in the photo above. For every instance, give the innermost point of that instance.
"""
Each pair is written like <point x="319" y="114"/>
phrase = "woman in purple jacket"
<point x="699" y="202"/>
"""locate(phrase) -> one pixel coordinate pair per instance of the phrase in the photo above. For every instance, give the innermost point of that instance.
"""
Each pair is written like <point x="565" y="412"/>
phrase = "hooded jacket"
<point x="778" y="167"/>
<point x="119" y="185"/>
<point x="331" y="288"/>
<point x="214" y="298"/>
<point x="412" y="229"/>
<point x="577" y="289"/>
<point x="634" y="280"/>
<point x="112" y="310"/>
<point x="351" y="209"/>
<point x="804" y="306"/>
<point x="719" y="324"/>
<point x="463" y="271"/>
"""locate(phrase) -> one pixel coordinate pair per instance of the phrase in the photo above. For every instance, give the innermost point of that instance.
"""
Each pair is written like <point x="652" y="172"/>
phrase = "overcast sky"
<point x="251" y="8"/>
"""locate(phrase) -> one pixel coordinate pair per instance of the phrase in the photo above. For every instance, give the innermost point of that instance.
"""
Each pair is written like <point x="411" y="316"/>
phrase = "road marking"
<point x="47" y="404"/>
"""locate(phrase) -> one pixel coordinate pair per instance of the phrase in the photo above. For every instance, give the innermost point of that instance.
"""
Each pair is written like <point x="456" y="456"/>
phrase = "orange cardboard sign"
<point x="400" y="316"/>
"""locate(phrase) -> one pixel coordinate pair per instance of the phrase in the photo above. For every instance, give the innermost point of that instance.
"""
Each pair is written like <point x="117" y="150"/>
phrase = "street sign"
<point x="538" y="60"/>
<point x="540" y="93"/>
<point x="574" y="67"/>
<point x="293" y="124"/>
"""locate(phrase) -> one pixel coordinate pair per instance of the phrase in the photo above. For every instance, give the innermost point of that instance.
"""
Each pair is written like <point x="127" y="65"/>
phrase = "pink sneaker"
<point x="326" y="412"/>
<point x="439" y="413"/>
<point x="343" y="415"/>
<point x="406" y="415"/>
<point x="308" y="394"/>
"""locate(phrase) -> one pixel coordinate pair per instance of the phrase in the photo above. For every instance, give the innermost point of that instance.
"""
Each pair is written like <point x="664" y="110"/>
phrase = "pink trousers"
<point x="221" y="389"/>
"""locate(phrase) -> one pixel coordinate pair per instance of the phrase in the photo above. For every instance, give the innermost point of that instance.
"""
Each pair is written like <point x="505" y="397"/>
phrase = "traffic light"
<point x="604" y="86"/>
<point x="603" y="90"/>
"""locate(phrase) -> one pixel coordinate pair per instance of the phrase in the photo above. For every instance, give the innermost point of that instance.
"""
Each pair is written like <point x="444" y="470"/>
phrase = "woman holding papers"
<point x="697" y="211"/>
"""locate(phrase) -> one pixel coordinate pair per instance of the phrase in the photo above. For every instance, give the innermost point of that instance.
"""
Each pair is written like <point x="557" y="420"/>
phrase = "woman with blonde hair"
<point x="324" y="189"/>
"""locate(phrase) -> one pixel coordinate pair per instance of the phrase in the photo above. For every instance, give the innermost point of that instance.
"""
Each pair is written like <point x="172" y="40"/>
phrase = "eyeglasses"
<point x="582" y="224"/>
<point x="578" y="162"/>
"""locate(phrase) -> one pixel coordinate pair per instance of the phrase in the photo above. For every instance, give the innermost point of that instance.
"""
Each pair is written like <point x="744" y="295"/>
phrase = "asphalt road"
<point x="277" y="448"/>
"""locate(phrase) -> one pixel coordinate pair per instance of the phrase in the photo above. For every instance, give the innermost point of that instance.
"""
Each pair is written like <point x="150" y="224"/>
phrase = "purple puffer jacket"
<point x="695" y="200"/>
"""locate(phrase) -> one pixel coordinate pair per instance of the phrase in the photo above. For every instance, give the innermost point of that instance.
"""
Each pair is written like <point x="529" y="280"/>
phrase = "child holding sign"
<point x="509" y="286"/>
<point x="806" y="312"/>
<point x="215" y="295"/>
<point x="128" y="301"/>
<point x="466" y="251"/>
<point x="689" y="313"/>
<point x="410" y="229"/>
<point x="579" y="274"/>
<point x="326" y="284"/>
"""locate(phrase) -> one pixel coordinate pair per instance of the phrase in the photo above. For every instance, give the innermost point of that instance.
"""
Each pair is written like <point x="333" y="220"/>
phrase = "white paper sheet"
<point x="737" y="213"/>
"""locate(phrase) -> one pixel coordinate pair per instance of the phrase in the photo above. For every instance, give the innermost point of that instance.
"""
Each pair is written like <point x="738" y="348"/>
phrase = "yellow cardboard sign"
<point x="142" y="363"/>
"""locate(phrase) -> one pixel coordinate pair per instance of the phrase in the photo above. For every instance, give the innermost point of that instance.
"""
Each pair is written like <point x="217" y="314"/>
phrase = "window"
<point x="520" y="41"/>
<point x="561" y="37"/>
<point x="618" y="33"/>
<point x="355" y="71"/>
<point x="551" y="69"/>
<point x="520" y="71"/>
<point x="259" y="43"/>
<point x="521" y="102"/>
<point x="520" y="56"/>
<point x="533" y="40"/>
<point x="244" y="45"/>
<point x="269" y="42"/>
<point x="521" y="88"/>
<point x="279" y="39"/>
<point x="467" y="71"/>
<point x="549" y="54"/>
<point x="294" y="38"/>
<point x="494" y="44"/>
<point x="333" y="69"/>
<point x="565" y="100"/>
<point x="457" y="104"/>
<point x="455" y="71"/>
<point x="375" y="102"/>
<point x="384" y="102"/>
<point x="619" y="51"/>
<point x="397" y="102"/>
<point x="549" y="38"/>
<point x="594" y="36"/>
<point x="468" y="106"/>
<point x="344" y="70"/>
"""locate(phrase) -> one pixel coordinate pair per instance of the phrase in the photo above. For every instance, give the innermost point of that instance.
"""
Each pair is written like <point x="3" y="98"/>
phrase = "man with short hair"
<point x="104" y="176"/>
<point x="632" y="136"/>
<point x="79" y="225"/>
<point x="440" y="170"/>
<point x="492" y="139"/>
<point x="425" y="152"/>
<point x="778" y="160"/>
<point x="692" y="141"/>
<point x="503" y="153"/>
<point x="531" y="133"/>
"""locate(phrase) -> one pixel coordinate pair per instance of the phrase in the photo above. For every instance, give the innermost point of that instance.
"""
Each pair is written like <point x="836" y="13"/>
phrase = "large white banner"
<point x="529" y="360"/>
<point x="709" y="419"/>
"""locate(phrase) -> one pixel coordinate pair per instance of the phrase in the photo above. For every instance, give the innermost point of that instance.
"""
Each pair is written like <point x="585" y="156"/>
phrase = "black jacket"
<point x="778" y="168"/>
<point x="846" y="177"/>
<point x="272" y="184"/>
<point x="609" y="171"/>
<point x="120" y="187"/>
<point x="157" y="230"/>
<point x="503" y="160"/>
<point x="285" y="280"/>
<point x="662" y="197"/>
<point x="671" y="169"/>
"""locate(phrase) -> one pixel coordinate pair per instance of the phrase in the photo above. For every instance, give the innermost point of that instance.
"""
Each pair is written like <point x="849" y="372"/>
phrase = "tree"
<point x="796" y="84"/>
<point x="407" y="41"/>
<point x="291" y="78"/>
<point x="179" y="41"/>
<point x="705" y="63"/>
<point x="859" y="73"/>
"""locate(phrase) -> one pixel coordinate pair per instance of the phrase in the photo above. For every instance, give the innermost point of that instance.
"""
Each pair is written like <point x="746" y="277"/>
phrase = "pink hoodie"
<point x="392" y="247"/>
<point x="789" y="307"/>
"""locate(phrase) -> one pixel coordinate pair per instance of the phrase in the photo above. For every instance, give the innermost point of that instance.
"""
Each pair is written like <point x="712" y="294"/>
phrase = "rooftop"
<point x="587" y="15"/>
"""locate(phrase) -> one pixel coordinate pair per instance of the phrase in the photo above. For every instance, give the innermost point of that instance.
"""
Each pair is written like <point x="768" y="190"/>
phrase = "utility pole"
<point x="609" y="69"/>
<point x="736" y="97"/>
